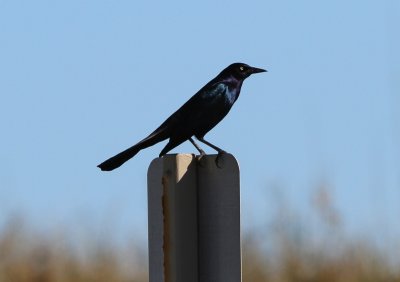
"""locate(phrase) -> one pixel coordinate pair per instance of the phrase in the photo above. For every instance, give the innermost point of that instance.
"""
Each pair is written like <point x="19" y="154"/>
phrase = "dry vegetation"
<point x="279" y="253"/>
<point x="356" y="262"/>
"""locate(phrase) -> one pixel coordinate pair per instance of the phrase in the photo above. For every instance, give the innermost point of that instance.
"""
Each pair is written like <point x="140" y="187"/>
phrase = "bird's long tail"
<point x="119" y="159"/>
<point x="112" y="163"/>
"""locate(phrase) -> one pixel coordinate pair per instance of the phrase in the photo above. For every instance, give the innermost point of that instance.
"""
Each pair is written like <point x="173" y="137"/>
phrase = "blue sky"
<point x="82" y="80"/>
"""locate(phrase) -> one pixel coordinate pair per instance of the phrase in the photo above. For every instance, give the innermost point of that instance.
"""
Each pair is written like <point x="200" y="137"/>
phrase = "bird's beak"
<point x="257" y="70"/>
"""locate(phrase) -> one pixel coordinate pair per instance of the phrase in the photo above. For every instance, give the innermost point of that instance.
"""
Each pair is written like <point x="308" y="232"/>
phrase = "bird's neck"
<point x="234" y="85"/>
<point x="233" y="82"/>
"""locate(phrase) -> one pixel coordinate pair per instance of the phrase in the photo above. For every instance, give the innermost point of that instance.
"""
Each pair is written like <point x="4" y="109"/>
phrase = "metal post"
<point x="194" y="219"/>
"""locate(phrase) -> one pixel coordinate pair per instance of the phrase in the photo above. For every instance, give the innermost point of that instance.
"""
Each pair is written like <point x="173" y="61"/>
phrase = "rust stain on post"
<point x="166" y="233"/>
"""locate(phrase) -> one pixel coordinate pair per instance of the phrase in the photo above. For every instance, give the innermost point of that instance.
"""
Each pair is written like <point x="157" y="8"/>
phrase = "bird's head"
<point x="241" y="71"/>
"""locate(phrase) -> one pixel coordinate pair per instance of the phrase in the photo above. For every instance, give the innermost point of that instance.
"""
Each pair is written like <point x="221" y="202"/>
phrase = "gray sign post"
<point x="194" y="219"/>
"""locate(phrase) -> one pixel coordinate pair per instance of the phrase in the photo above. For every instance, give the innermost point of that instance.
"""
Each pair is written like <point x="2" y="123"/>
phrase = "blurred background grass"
<point x="289" y="247"/>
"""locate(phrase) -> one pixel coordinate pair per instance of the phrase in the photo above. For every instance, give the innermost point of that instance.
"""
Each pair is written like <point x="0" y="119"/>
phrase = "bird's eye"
<point x="241" y="68"/>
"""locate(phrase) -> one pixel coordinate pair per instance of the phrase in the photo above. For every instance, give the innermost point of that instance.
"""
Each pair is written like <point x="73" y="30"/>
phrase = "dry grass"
<point x="285" y="251"/>
<point x="297" y="252"/>
<point x="26" y="256"/>
<point x="294" y="263"/>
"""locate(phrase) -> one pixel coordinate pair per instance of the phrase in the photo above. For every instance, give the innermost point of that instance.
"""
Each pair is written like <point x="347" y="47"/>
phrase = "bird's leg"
<point x="219" y="150"/>
<point x="202" y="153"/>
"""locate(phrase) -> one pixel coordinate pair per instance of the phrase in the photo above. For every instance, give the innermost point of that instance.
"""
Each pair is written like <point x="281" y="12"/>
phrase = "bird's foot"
<point x="200" y="157"/>
<point x="219" y="159"/>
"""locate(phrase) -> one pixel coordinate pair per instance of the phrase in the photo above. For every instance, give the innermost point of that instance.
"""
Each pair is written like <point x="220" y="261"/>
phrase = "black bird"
<point x="196" y="117"/>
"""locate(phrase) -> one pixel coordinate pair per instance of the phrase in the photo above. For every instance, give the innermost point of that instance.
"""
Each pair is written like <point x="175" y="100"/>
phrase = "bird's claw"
<point x="218" y="158"/>
<point x="200" y="157"/>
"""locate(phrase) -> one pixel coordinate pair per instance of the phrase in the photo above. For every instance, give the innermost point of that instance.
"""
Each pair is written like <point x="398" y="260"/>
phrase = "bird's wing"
<point x="185" y="119"/>
<point x="204" y="99"/>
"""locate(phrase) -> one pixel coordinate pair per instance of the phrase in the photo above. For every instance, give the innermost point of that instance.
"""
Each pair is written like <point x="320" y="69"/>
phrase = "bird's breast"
<point x="232" y="88"/>
<point x="231" y="95"/>
<point x="221" y="96"/>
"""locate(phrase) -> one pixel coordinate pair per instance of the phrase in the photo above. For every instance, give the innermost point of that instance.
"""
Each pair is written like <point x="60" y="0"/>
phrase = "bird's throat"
<point x="233" y="89"/>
